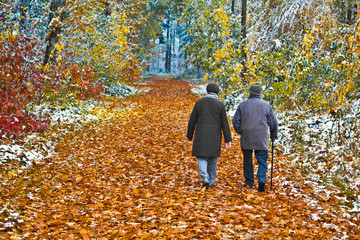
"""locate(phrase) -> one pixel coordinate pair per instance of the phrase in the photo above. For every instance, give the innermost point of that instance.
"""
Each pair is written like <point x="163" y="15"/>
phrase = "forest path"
<point x="133" y="177"/>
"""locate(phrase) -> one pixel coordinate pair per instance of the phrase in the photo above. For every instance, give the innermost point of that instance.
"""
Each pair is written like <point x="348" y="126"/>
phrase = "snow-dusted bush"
<point x="119" y="90"/>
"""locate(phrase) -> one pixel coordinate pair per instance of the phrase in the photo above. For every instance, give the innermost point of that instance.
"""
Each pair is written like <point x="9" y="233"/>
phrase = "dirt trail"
<point x="134" y="177"/>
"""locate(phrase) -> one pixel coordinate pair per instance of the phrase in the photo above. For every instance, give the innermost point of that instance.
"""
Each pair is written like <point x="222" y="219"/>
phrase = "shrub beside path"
<point x="133" y="176"/>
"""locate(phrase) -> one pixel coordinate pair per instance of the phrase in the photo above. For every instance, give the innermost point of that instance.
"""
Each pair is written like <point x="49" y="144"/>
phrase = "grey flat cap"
<point x="255" y="89"/>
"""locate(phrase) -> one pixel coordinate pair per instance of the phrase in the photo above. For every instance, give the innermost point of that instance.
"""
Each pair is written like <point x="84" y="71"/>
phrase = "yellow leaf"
<point x="11" y="174"/>
<point x="84" y="233"/>
<point x="100" y="205"/>
<point x="136" y="191"/>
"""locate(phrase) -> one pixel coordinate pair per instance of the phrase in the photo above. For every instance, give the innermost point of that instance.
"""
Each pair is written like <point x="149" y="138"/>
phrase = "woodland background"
<point x="61" y="58"/>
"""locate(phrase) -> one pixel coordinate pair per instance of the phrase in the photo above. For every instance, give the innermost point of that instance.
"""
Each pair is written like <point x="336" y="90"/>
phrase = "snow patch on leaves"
<point x="199" y="89"/>
<point x="321" y="159"/>
<point x="119" y="90"/>
<point x="17" y="152"/>
<point x="36" y="149"/>
<point x="11" y="220"/>
<point x="327" y="168"/>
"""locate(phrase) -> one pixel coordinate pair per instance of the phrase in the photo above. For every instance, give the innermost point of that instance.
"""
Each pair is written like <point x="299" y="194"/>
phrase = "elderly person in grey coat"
<point x="252" y="120"/>
<point x="208" y="120"/>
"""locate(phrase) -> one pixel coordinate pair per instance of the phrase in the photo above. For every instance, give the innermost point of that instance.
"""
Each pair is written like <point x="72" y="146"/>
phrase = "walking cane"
<point x="272" y="162"/>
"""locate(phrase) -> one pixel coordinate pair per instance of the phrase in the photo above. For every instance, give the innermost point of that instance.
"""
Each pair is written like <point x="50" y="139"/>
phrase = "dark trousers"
<point x="261" y="156"/>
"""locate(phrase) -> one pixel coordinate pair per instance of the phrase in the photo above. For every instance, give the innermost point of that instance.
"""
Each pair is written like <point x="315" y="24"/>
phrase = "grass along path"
<point x="133" y="176"/>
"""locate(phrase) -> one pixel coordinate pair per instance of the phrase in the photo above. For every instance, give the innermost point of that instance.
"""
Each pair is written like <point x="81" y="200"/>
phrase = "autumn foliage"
<point x="132" y="176"/>
<point x="71" y="82"/>
<point x="302" y="50"/>
<point x="52" y="57"/>
<point x="128" y="172"/>
<point x="21" y="82"/>
<point x="24" y="85"/>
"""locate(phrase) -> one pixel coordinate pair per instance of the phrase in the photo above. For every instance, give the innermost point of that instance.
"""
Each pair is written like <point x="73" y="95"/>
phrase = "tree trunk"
<point x="243" y="41"/>
<point x="168" y="50"/>
<point x="54" y="31"/>
<point x="233" y="6"/>
<point x="198" y="72"/>
<point x="352" y="13"/>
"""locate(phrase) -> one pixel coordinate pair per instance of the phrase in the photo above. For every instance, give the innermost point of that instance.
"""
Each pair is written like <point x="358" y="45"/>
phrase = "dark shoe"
<point x="261" y="187"/>
<point x="205" y="183"/>
<point x="247" y="185"/>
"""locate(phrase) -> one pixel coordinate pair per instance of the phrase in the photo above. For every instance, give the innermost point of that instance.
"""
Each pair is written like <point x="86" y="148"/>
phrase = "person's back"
<point x="209" y="110"/>
<point x="206" y="124"/>
<point x="208" y="127"/>
<point x="254" y="123"/>
<point x="252" y="120"/>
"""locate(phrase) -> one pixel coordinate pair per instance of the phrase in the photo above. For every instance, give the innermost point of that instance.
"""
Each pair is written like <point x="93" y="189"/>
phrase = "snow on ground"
<point x="77" y="113"/>
<point x="142" y="89"/>
<point x="18" y="152"/>
<point x="15" y="158"/>
<point x="321" y="158"/>
<point x="199" y="89"/>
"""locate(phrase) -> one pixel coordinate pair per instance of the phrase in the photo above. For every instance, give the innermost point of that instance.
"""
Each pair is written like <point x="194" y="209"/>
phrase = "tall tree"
<point x="168" y="26"/>
<point x="174" y="11"/>
<point x="167" y="11"/>
<point x="346" y="10"/>
<point x="243" y="39"/>
<point x="54" y="29"/>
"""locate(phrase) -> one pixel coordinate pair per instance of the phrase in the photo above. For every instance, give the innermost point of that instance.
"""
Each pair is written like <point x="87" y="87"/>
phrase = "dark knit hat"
<point x="212" y="87"/>
<point x="255" y="89"/>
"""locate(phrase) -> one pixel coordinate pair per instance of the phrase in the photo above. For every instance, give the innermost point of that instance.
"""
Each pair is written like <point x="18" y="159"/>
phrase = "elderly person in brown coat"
<point x="208" y="120"/>
<point x="252" y="120"/>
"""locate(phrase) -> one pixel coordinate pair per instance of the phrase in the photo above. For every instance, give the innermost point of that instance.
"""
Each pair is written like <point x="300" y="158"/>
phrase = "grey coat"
<point x="252" y="120"/>
<point x="208" y="120"/>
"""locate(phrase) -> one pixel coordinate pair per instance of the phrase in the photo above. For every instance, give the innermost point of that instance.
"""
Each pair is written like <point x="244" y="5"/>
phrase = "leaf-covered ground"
<point x="132" y="176"/>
